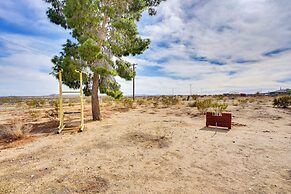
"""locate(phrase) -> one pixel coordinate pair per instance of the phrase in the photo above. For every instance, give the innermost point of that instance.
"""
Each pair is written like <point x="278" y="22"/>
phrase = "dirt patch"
<point x="82" y="184"/>
<point x="6" y="187"/>
<point x="44" y="127"/>
<point x="18" y="133"/>
<point x="92" y="185"/>
<point x="147" y="140"/>
<point x="5" y="144"/>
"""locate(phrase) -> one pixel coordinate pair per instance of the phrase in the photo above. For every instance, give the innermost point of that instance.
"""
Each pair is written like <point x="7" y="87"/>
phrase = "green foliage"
<point x="243" y="102"/>
<point x="102" y="30"/>
<point x="109" y="86"/>
<point x="219" y="107"/>
<point x="282" y="101"/>
<point x="203" y="105"/>
<point x="124" y="69"/>
<point x="89" y="50"/>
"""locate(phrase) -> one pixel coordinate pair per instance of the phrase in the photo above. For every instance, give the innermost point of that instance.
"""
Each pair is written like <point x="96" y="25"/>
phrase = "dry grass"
<point x="12" y="132"/>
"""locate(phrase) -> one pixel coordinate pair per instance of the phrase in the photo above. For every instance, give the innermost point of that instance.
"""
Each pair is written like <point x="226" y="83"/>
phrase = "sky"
<point x="198" y="47"/>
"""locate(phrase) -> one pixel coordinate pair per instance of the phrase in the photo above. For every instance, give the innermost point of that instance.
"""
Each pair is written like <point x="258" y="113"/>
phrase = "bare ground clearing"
<point x="151" y="150"/>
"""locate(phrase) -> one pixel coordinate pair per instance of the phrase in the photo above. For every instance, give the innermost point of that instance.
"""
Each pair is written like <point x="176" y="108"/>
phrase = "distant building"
<point x="286" y="91"/>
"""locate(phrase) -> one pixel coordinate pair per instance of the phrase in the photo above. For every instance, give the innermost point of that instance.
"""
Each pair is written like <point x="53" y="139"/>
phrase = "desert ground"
<point x="150" y="146"/>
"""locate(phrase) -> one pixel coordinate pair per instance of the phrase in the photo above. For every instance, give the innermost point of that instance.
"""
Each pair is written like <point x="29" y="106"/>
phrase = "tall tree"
<point x="104" y="32"/>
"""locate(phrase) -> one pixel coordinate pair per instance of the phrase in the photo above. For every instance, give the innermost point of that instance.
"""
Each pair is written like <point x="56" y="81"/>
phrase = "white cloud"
<point x="221" y="30"/>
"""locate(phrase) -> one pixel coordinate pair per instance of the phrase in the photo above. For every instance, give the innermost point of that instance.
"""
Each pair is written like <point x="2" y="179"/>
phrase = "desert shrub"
<point x="32" y="103"/>
<point x="42" y="102"/>
<point x="192" y="104"/>
<point x="10" y="100"/>
<point x="106" y="99"/>
<point x="219" y="107"/>
<point x="203" y="105"/>
<point x="243" y="102"/>
<point x="71" y="104"/>
<point x="34" y="115"/>
<point x="140" y="101"/>
<point x="54" y="112"/>
<point x="252" y="100"/>
<point x="55" y="103"/>
<point x="219" y="97"/>
<point x="194" y="97"/>
<point x="155" y="104"/>
<point x="18" y="104"/>
<point x="127" y="102"/>
<point x="282" y="101"/>
<point x="170" y="100"/>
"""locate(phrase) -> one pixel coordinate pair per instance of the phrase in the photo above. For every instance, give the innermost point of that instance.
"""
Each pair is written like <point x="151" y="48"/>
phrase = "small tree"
<point x="104" y="32"/>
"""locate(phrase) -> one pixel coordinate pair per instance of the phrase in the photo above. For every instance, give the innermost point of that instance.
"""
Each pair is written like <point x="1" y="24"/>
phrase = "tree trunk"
<point x="95" y="100"/>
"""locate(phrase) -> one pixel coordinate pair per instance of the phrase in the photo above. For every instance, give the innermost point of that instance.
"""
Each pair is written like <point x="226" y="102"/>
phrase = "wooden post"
<point x="133" y="82"/>
<point x="61" y="111"/>
<point x="81" y="101"/>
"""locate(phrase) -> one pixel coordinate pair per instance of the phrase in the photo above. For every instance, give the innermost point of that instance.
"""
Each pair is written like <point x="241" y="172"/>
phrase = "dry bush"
<point x="219" y="97"/>
<point x="34" y="103"/>
<point x="203" y="105"/>
<point x="251" y="100"/>
<point x="235" y="103"/>
<point x="107" y="99"/>
<point x="13" y="132"/>
<point x="10" y="100"/>
<point x="170" y="100"/>
<point x="243" y="102"/>
<point x="127" y="103"/>
<point x="34" y="114"/>
<point x="54" y="112"/>
<point x="219" y="107"/>
<point x="141" y="102"/>
<point x="192" y="104"/>
<point x="155" y="104"/>
<point x="282" y="101"/>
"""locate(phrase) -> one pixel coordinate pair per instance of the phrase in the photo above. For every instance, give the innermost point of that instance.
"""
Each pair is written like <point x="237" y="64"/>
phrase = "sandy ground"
<point x="157" y="150"/>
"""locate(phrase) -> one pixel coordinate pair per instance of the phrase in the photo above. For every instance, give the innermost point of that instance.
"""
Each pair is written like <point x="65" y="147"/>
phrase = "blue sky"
<point x="215" y="45"/>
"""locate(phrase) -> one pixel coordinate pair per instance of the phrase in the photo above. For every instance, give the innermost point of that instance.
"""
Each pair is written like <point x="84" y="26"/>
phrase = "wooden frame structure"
<point x="61" y="108"/>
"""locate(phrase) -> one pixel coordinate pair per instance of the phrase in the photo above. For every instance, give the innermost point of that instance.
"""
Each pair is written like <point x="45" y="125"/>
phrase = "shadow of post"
<point x="215" y="129"/>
